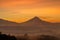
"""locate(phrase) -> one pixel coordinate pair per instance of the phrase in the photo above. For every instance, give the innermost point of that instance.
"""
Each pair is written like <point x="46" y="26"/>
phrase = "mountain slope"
<point x="7" y="23"/>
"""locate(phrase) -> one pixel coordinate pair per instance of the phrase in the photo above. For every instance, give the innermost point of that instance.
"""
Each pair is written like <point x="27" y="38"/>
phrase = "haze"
<point x="23" y="10"/>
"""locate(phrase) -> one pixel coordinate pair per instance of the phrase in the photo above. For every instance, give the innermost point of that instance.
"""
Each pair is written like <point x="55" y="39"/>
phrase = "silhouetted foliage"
<point x="47" y="37"/>
<point x="7" y="37"/>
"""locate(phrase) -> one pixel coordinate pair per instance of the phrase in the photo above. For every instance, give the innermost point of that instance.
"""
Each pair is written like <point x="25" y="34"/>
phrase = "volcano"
<point x="36" y="21"/>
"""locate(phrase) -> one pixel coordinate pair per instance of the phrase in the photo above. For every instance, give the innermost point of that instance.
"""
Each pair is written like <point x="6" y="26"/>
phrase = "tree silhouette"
<point x="7" y="37"/>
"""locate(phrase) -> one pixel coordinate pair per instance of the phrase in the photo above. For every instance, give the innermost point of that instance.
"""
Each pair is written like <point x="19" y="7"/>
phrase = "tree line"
<point x="26" y="37"/>
<point x="7" y="37"/>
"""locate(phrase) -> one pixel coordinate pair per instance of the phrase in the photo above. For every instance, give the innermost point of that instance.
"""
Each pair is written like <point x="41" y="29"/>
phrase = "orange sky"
<point x="22" y="10"/>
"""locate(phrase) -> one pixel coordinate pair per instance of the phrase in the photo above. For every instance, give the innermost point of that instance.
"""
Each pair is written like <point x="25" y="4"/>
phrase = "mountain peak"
<point x="36" y="18"/>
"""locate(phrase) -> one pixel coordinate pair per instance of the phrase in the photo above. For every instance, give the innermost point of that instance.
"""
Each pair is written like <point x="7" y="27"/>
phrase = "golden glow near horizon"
<point x="22" y="10"/>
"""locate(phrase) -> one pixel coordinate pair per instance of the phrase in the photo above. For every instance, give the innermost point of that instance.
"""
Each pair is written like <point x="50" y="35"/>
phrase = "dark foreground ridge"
<point x="7" y="37"/>
<point x="26" y="37"/>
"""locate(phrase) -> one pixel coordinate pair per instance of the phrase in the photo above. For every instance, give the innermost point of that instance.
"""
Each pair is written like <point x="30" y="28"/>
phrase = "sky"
<point x="23" y="10"/>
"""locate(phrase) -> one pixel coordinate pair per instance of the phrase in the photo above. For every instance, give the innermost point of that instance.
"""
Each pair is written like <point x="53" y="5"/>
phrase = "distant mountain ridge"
<point x="35" y="19"/>
<point x="34" y="25"/>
